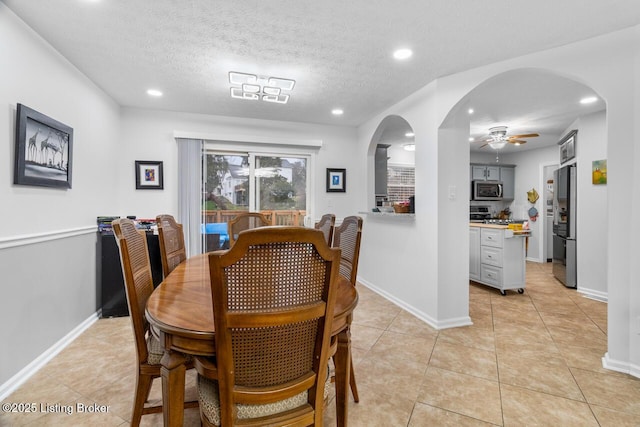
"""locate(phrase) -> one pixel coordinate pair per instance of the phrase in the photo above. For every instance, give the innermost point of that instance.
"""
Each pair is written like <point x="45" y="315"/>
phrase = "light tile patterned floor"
<point x="528" y="360"/>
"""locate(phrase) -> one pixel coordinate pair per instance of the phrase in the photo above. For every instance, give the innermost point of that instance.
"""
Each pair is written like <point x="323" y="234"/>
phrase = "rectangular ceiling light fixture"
<point x="253" y="87"/>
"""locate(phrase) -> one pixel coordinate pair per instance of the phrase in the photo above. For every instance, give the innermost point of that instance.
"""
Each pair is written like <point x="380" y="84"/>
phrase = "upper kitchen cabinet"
<point x="504" y="173"/>
<point x="485" y="173"/>
<point x="508" y="178"/>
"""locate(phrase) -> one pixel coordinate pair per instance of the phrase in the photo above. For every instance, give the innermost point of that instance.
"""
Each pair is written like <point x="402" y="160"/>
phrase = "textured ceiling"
<point x="527" y="101"/>
<point x="339" y="52"/>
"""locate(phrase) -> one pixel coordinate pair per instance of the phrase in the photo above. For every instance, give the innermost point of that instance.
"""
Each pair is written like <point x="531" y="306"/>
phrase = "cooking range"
<point x="482" y="215"/>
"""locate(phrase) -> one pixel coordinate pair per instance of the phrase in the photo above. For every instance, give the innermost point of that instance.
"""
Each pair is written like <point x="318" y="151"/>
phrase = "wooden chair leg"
<point x="352" y="382"/>
<point x="143" y="387"/>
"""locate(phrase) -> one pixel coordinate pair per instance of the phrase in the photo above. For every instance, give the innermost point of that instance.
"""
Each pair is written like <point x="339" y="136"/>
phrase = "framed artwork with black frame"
<point x="568" y="146"/>
<point x="43" y="150"/>
<point x="149" y="175"/>
<point x="336" y="180"/>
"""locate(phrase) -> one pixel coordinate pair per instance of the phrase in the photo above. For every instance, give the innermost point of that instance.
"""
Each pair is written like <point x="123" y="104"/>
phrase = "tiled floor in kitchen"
<point x="531" y="359"/>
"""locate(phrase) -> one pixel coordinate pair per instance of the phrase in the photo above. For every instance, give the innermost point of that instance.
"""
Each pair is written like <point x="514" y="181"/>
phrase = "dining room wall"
<point x="47" y="236"/>
<point x="149" y="133"/>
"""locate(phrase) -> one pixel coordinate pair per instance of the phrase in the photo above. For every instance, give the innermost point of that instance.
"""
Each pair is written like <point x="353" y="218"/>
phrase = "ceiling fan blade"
<point x="517" y="141"/>
<point x="484" y="145"/>
<point x="527" y="135"/>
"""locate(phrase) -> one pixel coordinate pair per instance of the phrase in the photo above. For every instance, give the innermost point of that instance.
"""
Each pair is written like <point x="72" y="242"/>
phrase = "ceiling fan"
<point x="498" y="138"/>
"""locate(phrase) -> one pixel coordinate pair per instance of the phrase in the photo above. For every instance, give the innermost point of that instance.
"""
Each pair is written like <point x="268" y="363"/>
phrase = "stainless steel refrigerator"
<point x="564" y="225"/>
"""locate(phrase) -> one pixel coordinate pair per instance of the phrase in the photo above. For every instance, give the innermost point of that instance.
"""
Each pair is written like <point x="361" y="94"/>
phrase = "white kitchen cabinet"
<point x="497" y="257"/>
<point x="474" y="253"/>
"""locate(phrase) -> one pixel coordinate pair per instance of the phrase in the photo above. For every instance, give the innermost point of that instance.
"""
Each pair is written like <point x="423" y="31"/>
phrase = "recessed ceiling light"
<point x="471" y="139"/>
<point x="470" y="110"/>
<point x="402" y="54"/>
<point x="337" y="112"/>
<point x="409" y="134"/>
<point x="154" y="92"/>
<point x="409" y="147"/>
<point x="588" y="100"/>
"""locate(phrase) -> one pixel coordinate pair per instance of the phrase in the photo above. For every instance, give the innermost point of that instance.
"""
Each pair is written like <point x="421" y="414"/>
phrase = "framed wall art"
<point x="599" y="172"/>
<point x="336" y="180"/>
<point x="568" y="146"/>
<point x="43" y="150"/>
<point x="149" y="175"/>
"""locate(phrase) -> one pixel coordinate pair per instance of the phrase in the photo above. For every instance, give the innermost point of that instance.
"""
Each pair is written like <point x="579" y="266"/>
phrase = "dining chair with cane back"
<point x="245" y="221"/>
<point x="326" y="225"/>
<point x="273" y="296"/>
<point x="347" y="237"/>
<point x="136" y="270"/>
<point x="171" y="238"/>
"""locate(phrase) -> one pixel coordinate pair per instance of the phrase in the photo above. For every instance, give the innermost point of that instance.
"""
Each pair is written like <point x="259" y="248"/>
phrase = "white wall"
<point x="592" y="229"/>
<point x="608" y="65"/>
<point x="33" y="74"/>
<point x="399" y="156"/>
<point x="529" y="175"/>
<point x="47" y="236"/>
<point x="147" y="133"/>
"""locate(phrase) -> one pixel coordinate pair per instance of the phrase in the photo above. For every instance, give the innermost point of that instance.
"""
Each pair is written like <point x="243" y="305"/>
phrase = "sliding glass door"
<point x="274" y="184"/>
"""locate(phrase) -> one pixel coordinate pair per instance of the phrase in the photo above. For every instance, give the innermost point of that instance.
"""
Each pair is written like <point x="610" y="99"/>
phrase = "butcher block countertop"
<point x="481" y="225"/>
<point x="525" y="233"/>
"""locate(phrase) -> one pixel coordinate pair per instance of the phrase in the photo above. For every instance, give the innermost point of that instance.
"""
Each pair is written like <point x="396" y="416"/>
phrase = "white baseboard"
<point x="25" y="373"/>
<point x="593" y="294"/>
<point x="620" y="366"/>
<point x="436" y="324"/>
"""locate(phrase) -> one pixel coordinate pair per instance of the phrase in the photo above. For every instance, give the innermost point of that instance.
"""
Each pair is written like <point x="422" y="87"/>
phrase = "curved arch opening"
<point x="545" y="103"/>
<point x="392" y="162"/>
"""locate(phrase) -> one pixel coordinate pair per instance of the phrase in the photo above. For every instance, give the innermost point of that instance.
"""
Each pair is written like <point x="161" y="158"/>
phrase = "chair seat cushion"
<point x="155" y="351"/>
<point x="209" y="399"/>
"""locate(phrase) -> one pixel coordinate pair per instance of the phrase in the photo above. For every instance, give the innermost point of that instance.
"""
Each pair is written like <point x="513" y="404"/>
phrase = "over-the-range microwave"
<point x="486" y="190"/>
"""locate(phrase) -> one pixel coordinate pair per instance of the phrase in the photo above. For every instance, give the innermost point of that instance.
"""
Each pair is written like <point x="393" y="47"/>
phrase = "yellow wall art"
<point x="599" y="172"/>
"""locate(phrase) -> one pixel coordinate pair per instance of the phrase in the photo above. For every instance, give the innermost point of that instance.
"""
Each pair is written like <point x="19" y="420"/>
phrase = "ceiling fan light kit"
<point x="498" y="138"/>
<point x="496" y="145"/>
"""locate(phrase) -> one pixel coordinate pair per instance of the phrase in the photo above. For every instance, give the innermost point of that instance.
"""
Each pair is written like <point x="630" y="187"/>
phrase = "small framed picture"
<point x="568" y="147"/>
<point x="336" y="180"/>
<point x="599" y="172"/>
<point x="149" y="175"/>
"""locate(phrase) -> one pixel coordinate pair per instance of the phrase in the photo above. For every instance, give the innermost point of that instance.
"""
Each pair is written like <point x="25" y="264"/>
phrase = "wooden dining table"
<point x="180" y="314"/>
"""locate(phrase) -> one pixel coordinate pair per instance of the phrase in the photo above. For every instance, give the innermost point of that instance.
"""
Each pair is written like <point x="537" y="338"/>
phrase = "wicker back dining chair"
<point x="273" y="297"/>
<point x="326" y="224"/>
<point x="136" y="270"/>
<point x="347" y="237"/>
<point x="245" y="221"/>
<point x="171" y="238"/>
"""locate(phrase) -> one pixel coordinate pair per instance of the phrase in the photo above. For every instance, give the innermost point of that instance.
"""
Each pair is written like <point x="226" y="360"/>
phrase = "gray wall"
<point x="48" y="289"/>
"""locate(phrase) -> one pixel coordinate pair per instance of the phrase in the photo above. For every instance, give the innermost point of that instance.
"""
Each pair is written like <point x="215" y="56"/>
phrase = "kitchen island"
<point x="497" y="256"/>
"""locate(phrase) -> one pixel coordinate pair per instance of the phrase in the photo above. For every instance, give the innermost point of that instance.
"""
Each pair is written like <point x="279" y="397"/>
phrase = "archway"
<point x="538" y="101"/>
<point x="392" y="162"/>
